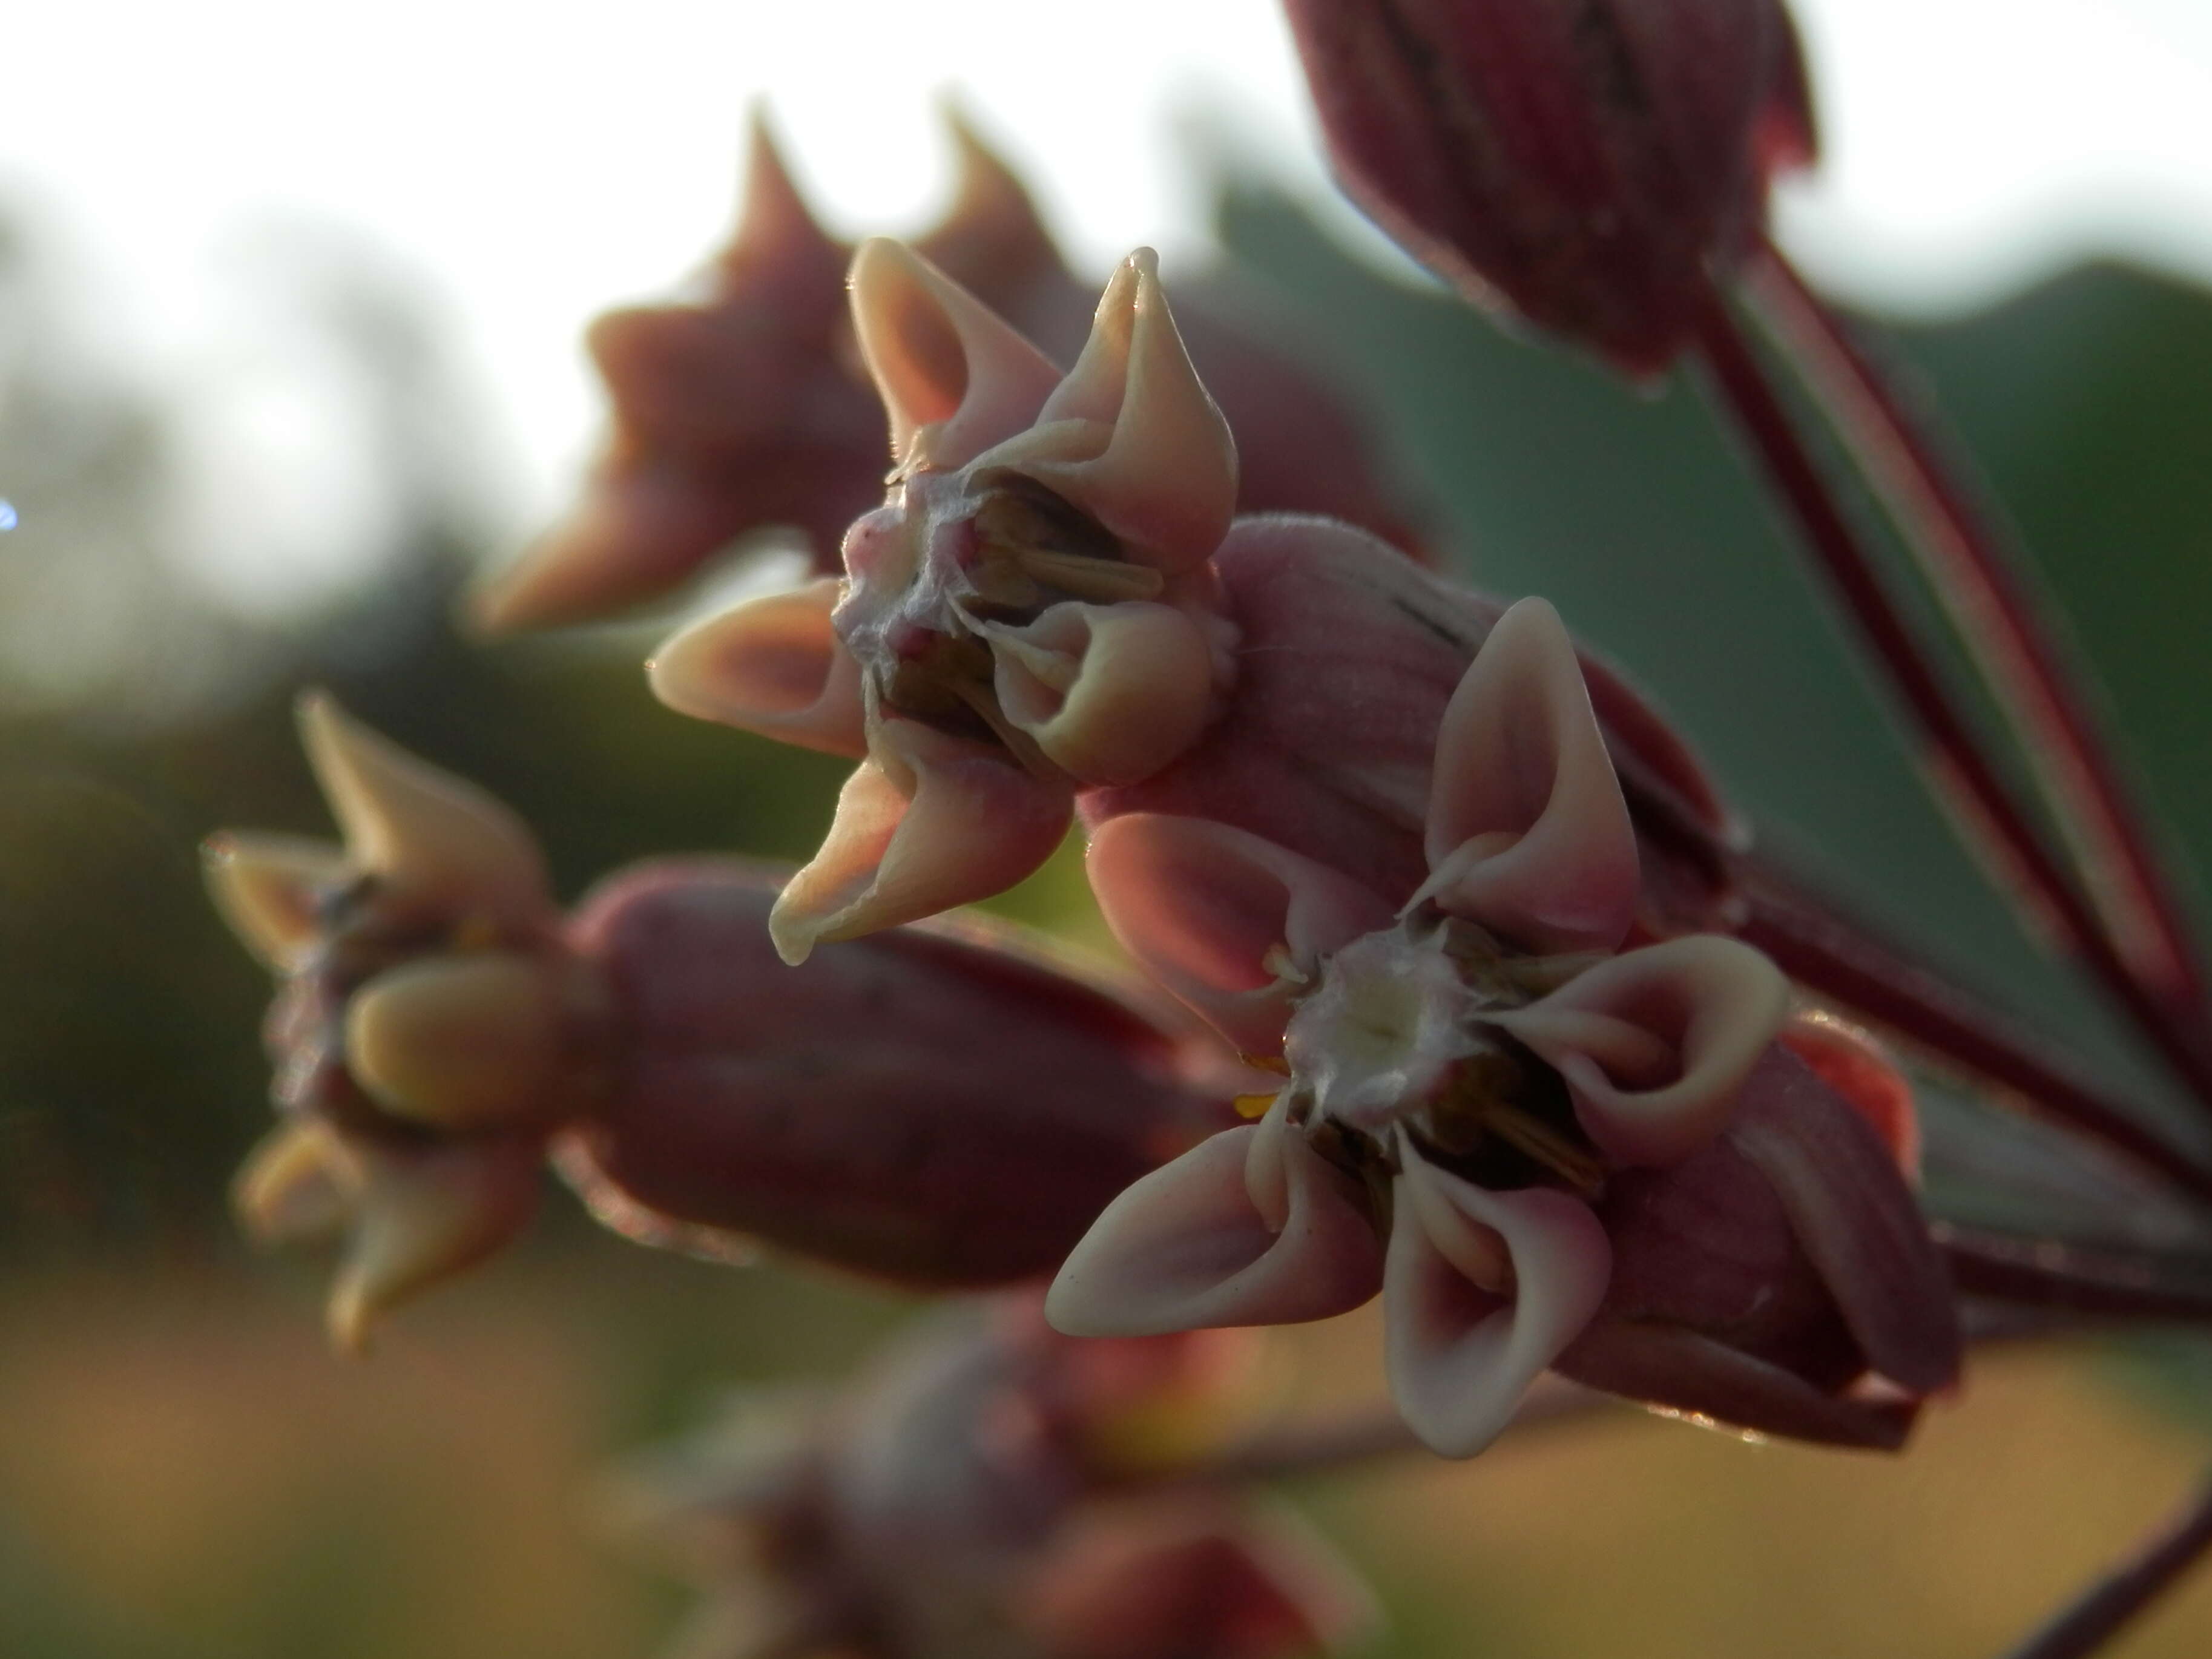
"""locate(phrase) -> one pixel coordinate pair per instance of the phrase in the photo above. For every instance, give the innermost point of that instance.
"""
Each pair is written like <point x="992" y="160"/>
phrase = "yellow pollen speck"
<point x="1253" y="1105"/>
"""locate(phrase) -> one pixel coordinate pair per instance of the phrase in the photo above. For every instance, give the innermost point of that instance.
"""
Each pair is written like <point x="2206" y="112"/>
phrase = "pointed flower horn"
<point x="1655" y="1045"/>
<point x="774" y="224"/>
<point x="954" y="376"/>
<point x="298" y="1185"/>
<point x="1223" y="918"/>
<point x="1132" y="435"/>
<point x="772" y="665"/>
<point x="1527" y="832"/>
<point x="1251" y="1227"/>
<point x="927" y="822"/>
<point x="435" y="838"/>
<point x="1481" y="1292"/>
<point x="270" y="889"/>
<point x="424" y="1216"/>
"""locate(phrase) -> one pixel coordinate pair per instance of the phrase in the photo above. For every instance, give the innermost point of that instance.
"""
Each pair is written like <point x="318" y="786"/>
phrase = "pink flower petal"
<point x="1131" y="435"/>
<point x="1481" y="1292"/>
<point x="1212" y="913"/>
<point x="927" y="822"/>
<point x="1528" y="833"/>
<point x="954" y="376"/>
<point x="772" y="665"/>
<point x="1190" y="1246"/>
<point x="1655" y="1045"/>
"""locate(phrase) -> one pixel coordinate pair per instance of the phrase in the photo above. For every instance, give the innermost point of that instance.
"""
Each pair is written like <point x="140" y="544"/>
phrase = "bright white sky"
<point x="535" y="162"/>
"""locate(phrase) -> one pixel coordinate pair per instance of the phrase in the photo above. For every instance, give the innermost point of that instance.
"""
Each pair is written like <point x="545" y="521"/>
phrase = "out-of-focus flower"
<point x="1053" y="604"/>
<point x="1588" y="165"/>
<point x="1542" y="1153"/>
<point x="958" y="1501"/>
<point x="944" y="1108"/>
<point x="745" y="406"/>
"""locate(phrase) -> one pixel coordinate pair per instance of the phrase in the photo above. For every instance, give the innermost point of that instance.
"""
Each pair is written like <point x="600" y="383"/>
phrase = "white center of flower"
<point x="1390" y="1015"/>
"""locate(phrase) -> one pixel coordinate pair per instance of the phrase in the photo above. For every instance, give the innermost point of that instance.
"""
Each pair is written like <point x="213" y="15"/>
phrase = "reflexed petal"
<point x="927" y="824"/>
<point x="1854" y="1218"/>
<point x="463" y="1043"/>
<point x="1656" y="1044"/>
<point x="1528" y="833"/>
<point x="955" y="378"/>
<point x="1209" y="911"/>
<point x="1679" y="1371"/>
<point x="1111" y="692"/>
<point x="435" y="838"/>
<point x="1854" y="1064"/>
<point x="1131" y="435"/>
<point x="773" y="665"/>
<point x="1481" y="1292"/>
<point x="424" y="1216"/>
<point x="1188" y="1245"/>
<point x="270" y="889"/>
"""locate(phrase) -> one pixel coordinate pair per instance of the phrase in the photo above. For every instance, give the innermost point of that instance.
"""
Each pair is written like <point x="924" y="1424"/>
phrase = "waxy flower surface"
<point x="947" y="1107"/>
<point x="743" y="406"/>
<point x="1486" y="1109"/>
<point x="1054" y="609"/>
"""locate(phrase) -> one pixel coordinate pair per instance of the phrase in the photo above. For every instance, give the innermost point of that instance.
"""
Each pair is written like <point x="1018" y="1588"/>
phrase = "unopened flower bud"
<point x="1588" y="165"/>
<point x="949" y="1107"/>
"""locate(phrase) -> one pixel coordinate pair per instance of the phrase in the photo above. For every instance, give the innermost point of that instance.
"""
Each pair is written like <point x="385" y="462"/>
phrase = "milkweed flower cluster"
<point x="1402" y="876"/>
<point x="441" y="1028"/>
<point x="978" y="1489"/>
<point x="1449" y="927"/>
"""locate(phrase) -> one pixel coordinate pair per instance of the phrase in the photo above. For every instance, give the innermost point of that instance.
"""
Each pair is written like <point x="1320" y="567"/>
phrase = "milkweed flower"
<point x="957" y="1498"/>
<point x="1540" y="1149"/>
<point x="743" y="406"/>
<point x="1055" y="608"/>
<point x="1588" y="167"/>
<point x="946" y="1108"/>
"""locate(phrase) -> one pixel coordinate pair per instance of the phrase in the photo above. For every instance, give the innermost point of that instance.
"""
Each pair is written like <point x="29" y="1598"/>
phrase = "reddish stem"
<point x="2131" y="1588"/>
<point x="2102" y="1281"/>
<point x="1955" y="760"/>
<point x="1981" y="585"/>
<point x="1813" y="943"/>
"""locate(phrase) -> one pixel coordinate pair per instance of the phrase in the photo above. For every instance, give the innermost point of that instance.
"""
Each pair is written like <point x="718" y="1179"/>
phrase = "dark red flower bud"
<point x="1582" y="162"/>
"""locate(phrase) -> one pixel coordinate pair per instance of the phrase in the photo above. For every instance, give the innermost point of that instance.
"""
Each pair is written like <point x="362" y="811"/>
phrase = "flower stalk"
<point x="2130" y="1590"/>
<point x="1957" y="764"/>
<point x="1992" y="605"/>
